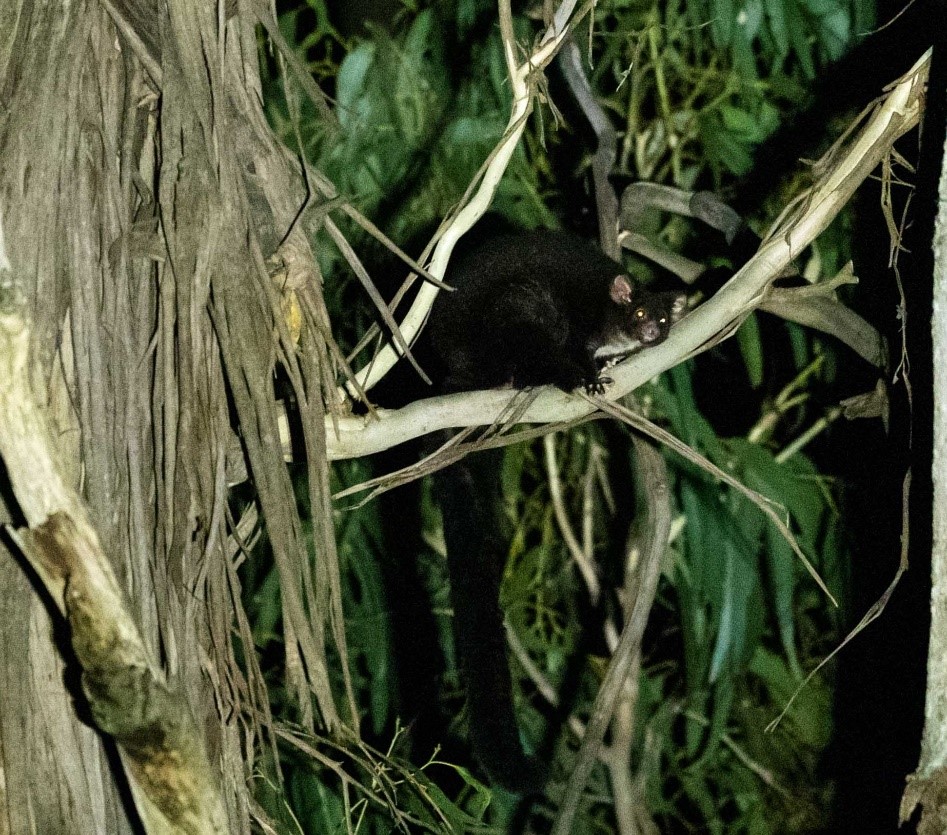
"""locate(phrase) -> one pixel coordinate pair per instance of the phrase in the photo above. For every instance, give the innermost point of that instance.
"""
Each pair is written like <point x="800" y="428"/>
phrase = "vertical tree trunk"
<point x="133" y="152"/>
<point x="927" y="787"/>
<point x="66" y="142"/>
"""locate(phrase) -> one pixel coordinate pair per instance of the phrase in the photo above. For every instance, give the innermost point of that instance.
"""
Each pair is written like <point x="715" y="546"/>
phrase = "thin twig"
<point x="582" y="558"/>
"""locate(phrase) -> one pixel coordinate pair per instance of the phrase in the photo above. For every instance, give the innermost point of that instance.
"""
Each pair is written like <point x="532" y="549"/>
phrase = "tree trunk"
<point x="927" y="786"/>
<point x="140" y="192"/>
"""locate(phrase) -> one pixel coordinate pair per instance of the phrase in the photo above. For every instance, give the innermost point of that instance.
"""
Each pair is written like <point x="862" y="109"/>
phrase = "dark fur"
<point x="533" y="308"/>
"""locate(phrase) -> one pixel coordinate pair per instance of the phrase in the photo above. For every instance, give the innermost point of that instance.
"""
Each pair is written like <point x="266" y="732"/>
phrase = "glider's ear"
<point x="621" y="291"/>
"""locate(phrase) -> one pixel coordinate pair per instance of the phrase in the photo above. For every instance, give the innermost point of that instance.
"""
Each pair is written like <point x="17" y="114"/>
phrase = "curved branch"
<point x="896" y="114"/>
<point x="653" y="473"/>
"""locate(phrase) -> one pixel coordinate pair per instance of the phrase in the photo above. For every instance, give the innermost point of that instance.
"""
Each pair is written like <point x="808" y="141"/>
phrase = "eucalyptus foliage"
<point x="693" y="87"/>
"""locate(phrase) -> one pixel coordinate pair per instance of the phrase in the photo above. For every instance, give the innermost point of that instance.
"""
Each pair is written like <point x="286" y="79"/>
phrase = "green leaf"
<point x="723" y="149"/>
<point x="808" y="718"/>
<point x="723" y="14"/>
<point x="350" y="82"/>
<point x="776" y="17"/>
<point x="793" y="483"/>
<point x="799" y="39"/>
<point x="740" y="578"/>
<point x="736" y="120"/>
<point x="751" y="348"/>
<point x="781" y="562"/>
<point x="750" y="19"/>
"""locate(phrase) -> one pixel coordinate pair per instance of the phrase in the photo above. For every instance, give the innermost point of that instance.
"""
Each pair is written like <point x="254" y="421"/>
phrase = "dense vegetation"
<point x="693" y="88"/>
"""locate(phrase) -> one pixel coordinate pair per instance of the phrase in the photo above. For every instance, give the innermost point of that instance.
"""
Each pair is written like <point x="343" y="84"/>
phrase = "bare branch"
<point x="897" y="113"/>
